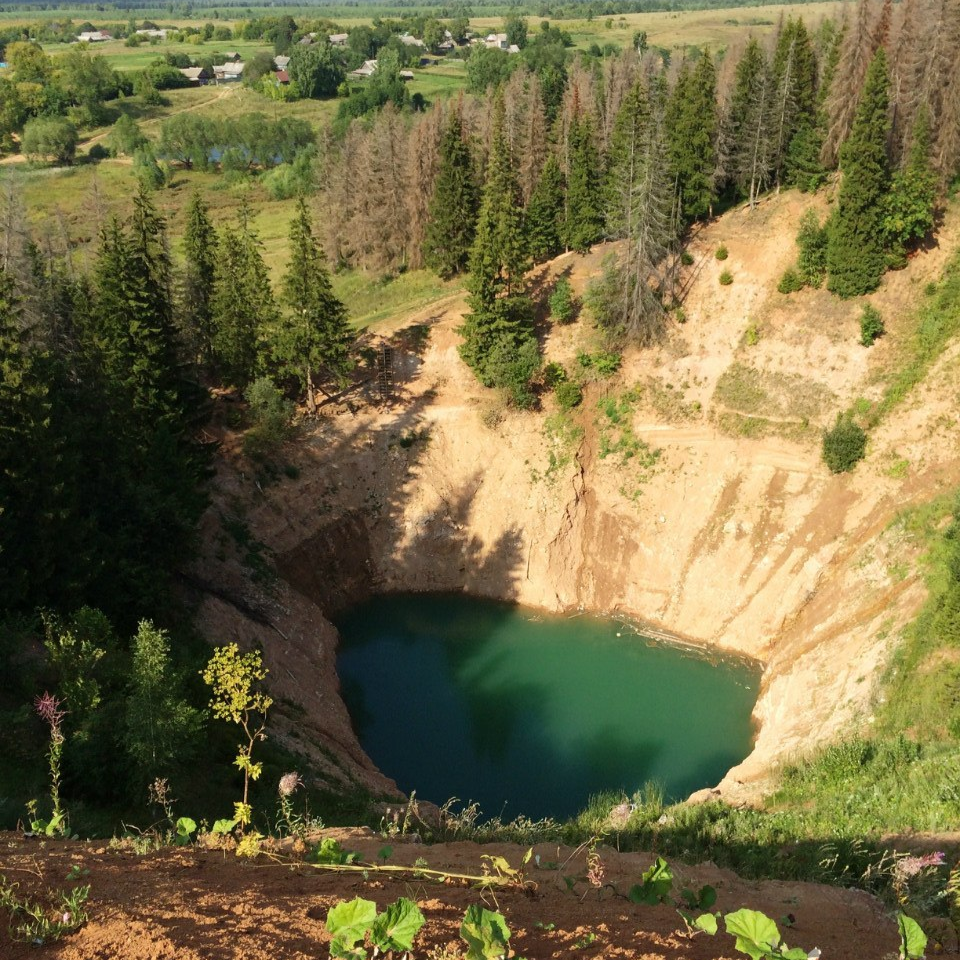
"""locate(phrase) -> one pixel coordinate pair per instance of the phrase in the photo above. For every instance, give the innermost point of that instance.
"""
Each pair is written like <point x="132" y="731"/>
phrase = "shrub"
<point x="812" y="241"/>
<point x="790" y="282"/>
<point x="871" y="325"/>
<point x="601" y="364"/>
<point x="554" y="374"/>
<point x="843" y="445"/>
<point x="726" y="278"/>
<point x="561" y="301"/>
<point x="53" y="138"/>
<point x="271" y="414"/>
<point x="686" y="258"/>
<point x="569" y="394"/>
<point x="722" y="252"/>
<point x="512" y="368"/>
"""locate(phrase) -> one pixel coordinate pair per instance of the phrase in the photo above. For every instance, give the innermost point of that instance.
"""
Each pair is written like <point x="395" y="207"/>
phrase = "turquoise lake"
<point x="529" y="713"/>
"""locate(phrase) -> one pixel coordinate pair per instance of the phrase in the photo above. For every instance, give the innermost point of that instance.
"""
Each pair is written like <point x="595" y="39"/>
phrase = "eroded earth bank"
<point x="723" y="526"/>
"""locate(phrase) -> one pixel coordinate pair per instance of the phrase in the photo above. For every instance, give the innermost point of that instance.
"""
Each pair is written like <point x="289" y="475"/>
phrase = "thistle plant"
<point x="48" y="709"/>
<point x="289" y="783"/>
<point x="233" y="677"/>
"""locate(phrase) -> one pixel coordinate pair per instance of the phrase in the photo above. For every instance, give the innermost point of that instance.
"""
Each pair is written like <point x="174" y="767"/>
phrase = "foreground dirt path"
<point x="207" y="905"/>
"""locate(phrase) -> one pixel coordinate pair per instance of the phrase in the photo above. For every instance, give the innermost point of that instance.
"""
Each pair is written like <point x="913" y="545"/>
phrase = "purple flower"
<point x="48" y="707"/>
<point x="911" y="866"/>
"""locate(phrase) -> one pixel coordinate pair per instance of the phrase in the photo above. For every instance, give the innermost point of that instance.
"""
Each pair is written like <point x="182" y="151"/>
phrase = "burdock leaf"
<point x="347" y="924"/>
<point x="395" y="928"/>
<point x="486" y="934"/>
<point x="757" y="935"/>
<point x="913" y="941"/>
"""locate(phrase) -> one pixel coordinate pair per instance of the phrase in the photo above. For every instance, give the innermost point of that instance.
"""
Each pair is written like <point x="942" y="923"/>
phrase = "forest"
<point x="110" y="372"/>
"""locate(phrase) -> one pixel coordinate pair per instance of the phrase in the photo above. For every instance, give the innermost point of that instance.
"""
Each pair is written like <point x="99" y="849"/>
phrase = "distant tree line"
<point x="566" y="153"/>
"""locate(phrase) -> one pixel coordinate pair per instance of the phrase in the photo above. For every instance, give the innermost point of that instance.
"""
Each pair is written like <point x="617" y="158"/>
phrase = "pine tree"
<point x="544" y="218"/>
<point x="314" y="333"/>
<point x="200" y="254"/>
<point x="583" y="225"/>
<point x="624" y="160"/>
<point x="637" y="287"/>
<point x="242" y="306"/>
<point x="795" y="91"/>
<point x="751" y="123"/>
<point x="450" y="230"/>
<point x="501" y="317"/>
<point x="24" y="416"/>
<point x="860" y="42"/>
<point x="856" y="254"/>
<point x="913" y="193"/>
<point x="691" y="121"/>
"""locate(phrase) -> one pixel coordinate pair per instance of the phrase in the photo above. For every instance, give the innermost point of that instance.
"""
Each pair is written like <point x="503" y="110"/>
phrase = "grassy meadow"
<point x="71" y="202"/>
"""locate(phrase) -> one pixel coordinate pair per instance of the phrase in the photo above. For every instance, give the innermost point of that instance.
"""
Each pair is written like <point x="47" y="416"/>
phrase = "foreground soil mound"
<point x="199" y="904"/>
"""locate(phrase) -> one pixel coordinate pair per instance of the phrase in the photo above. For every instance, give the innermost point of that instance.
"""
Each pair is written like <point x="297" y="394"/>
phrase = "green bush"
<point x="843" y="445"/>
<point x="569" y="394"/>
<point x="722" y="252"/>
<point x="562" y="302"/>
<point x="553" y="374"/>
<point x="271" y="413"/>
<point x="511" y="368"/>
<point x="49" y="138"/>
<point x="726" y="278"/>
<point x="812" y="241"/>
<point x="686" y="258"/>
<point x="790" y="282"/>
<point x="871" y="325"/>
<point x="601" y="364"/>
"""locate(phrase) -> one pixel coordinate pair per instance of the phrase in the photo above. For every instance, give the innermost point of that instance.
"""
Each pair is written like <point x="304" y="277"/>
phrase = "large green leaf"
<point x="757" y="935"/>
<point x="222" y="827"/>
<point x="913" y="941"/>
<point x="656" y="886"/>
<point x="330" y="852"/>
<point x="347" y="924"/>
<point x="185" y="827"/>
<point x="486" y="934"/>
<point x="395" y="928"/>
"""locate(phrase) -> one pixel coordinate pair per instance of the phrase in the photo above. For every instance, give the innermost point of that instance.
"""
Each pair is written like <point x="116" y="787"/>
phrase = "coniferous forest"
<point x="110" y="369"/>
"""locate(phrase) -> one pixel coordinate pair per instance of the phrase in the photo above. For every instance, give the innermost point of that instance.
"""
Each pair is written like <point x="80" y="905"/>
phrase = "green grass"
<point x="937" y="322"/>
<point x="378" y="302"/>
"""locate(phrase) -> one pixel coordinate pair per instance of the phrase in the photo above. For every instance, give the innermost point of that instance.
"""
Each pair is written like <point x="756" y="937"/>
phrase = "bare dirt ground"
<point x="737" y="537"/>
<point x="196" y="904"/>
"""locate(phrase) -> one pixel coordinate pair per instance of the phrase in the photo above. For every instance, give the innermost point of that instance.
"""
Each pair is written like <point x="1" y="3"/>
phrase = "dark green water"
<point x="525" y="713"/>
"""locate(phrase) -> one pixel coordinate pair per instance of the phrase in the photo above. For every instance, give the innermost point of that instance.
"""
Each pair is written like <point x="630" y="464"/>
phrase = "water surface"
<point x="530" y="714"/>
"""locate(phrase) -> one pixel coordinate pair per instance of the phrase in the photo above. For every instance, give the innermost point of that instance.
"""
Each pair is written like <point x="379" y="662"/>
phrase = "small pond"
<point x="529" y="713"/>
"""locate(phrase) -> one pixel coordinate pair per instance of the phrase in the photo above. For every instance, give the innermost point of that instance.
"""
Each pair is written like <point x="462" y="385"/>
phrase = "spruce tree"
<point x="24" y="414"/>
<point x="501" y="312"/>
<point x="692" y="133"/>
<point x="751" y="122"/>
<point x="856" y="246"/>
<point x="242" y="307"/>
<point x="199" y="251"/>
<point x="625" y="159"/>
<point x="314" y="334"/>
<point x="913" y="193"/>
<point x="545" y="213"/>
<point x="452" y="225"/>
<point x="583" y="226"/>
<point x="794" y="95"/>
<point x="637" y="287"/>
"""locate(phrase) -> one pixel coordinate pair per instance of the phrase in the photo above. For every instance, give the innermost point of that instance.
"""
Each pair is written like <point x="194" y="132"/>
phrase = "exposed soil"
<point x="196" y="904"/>
<point x="736" y="537"/>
